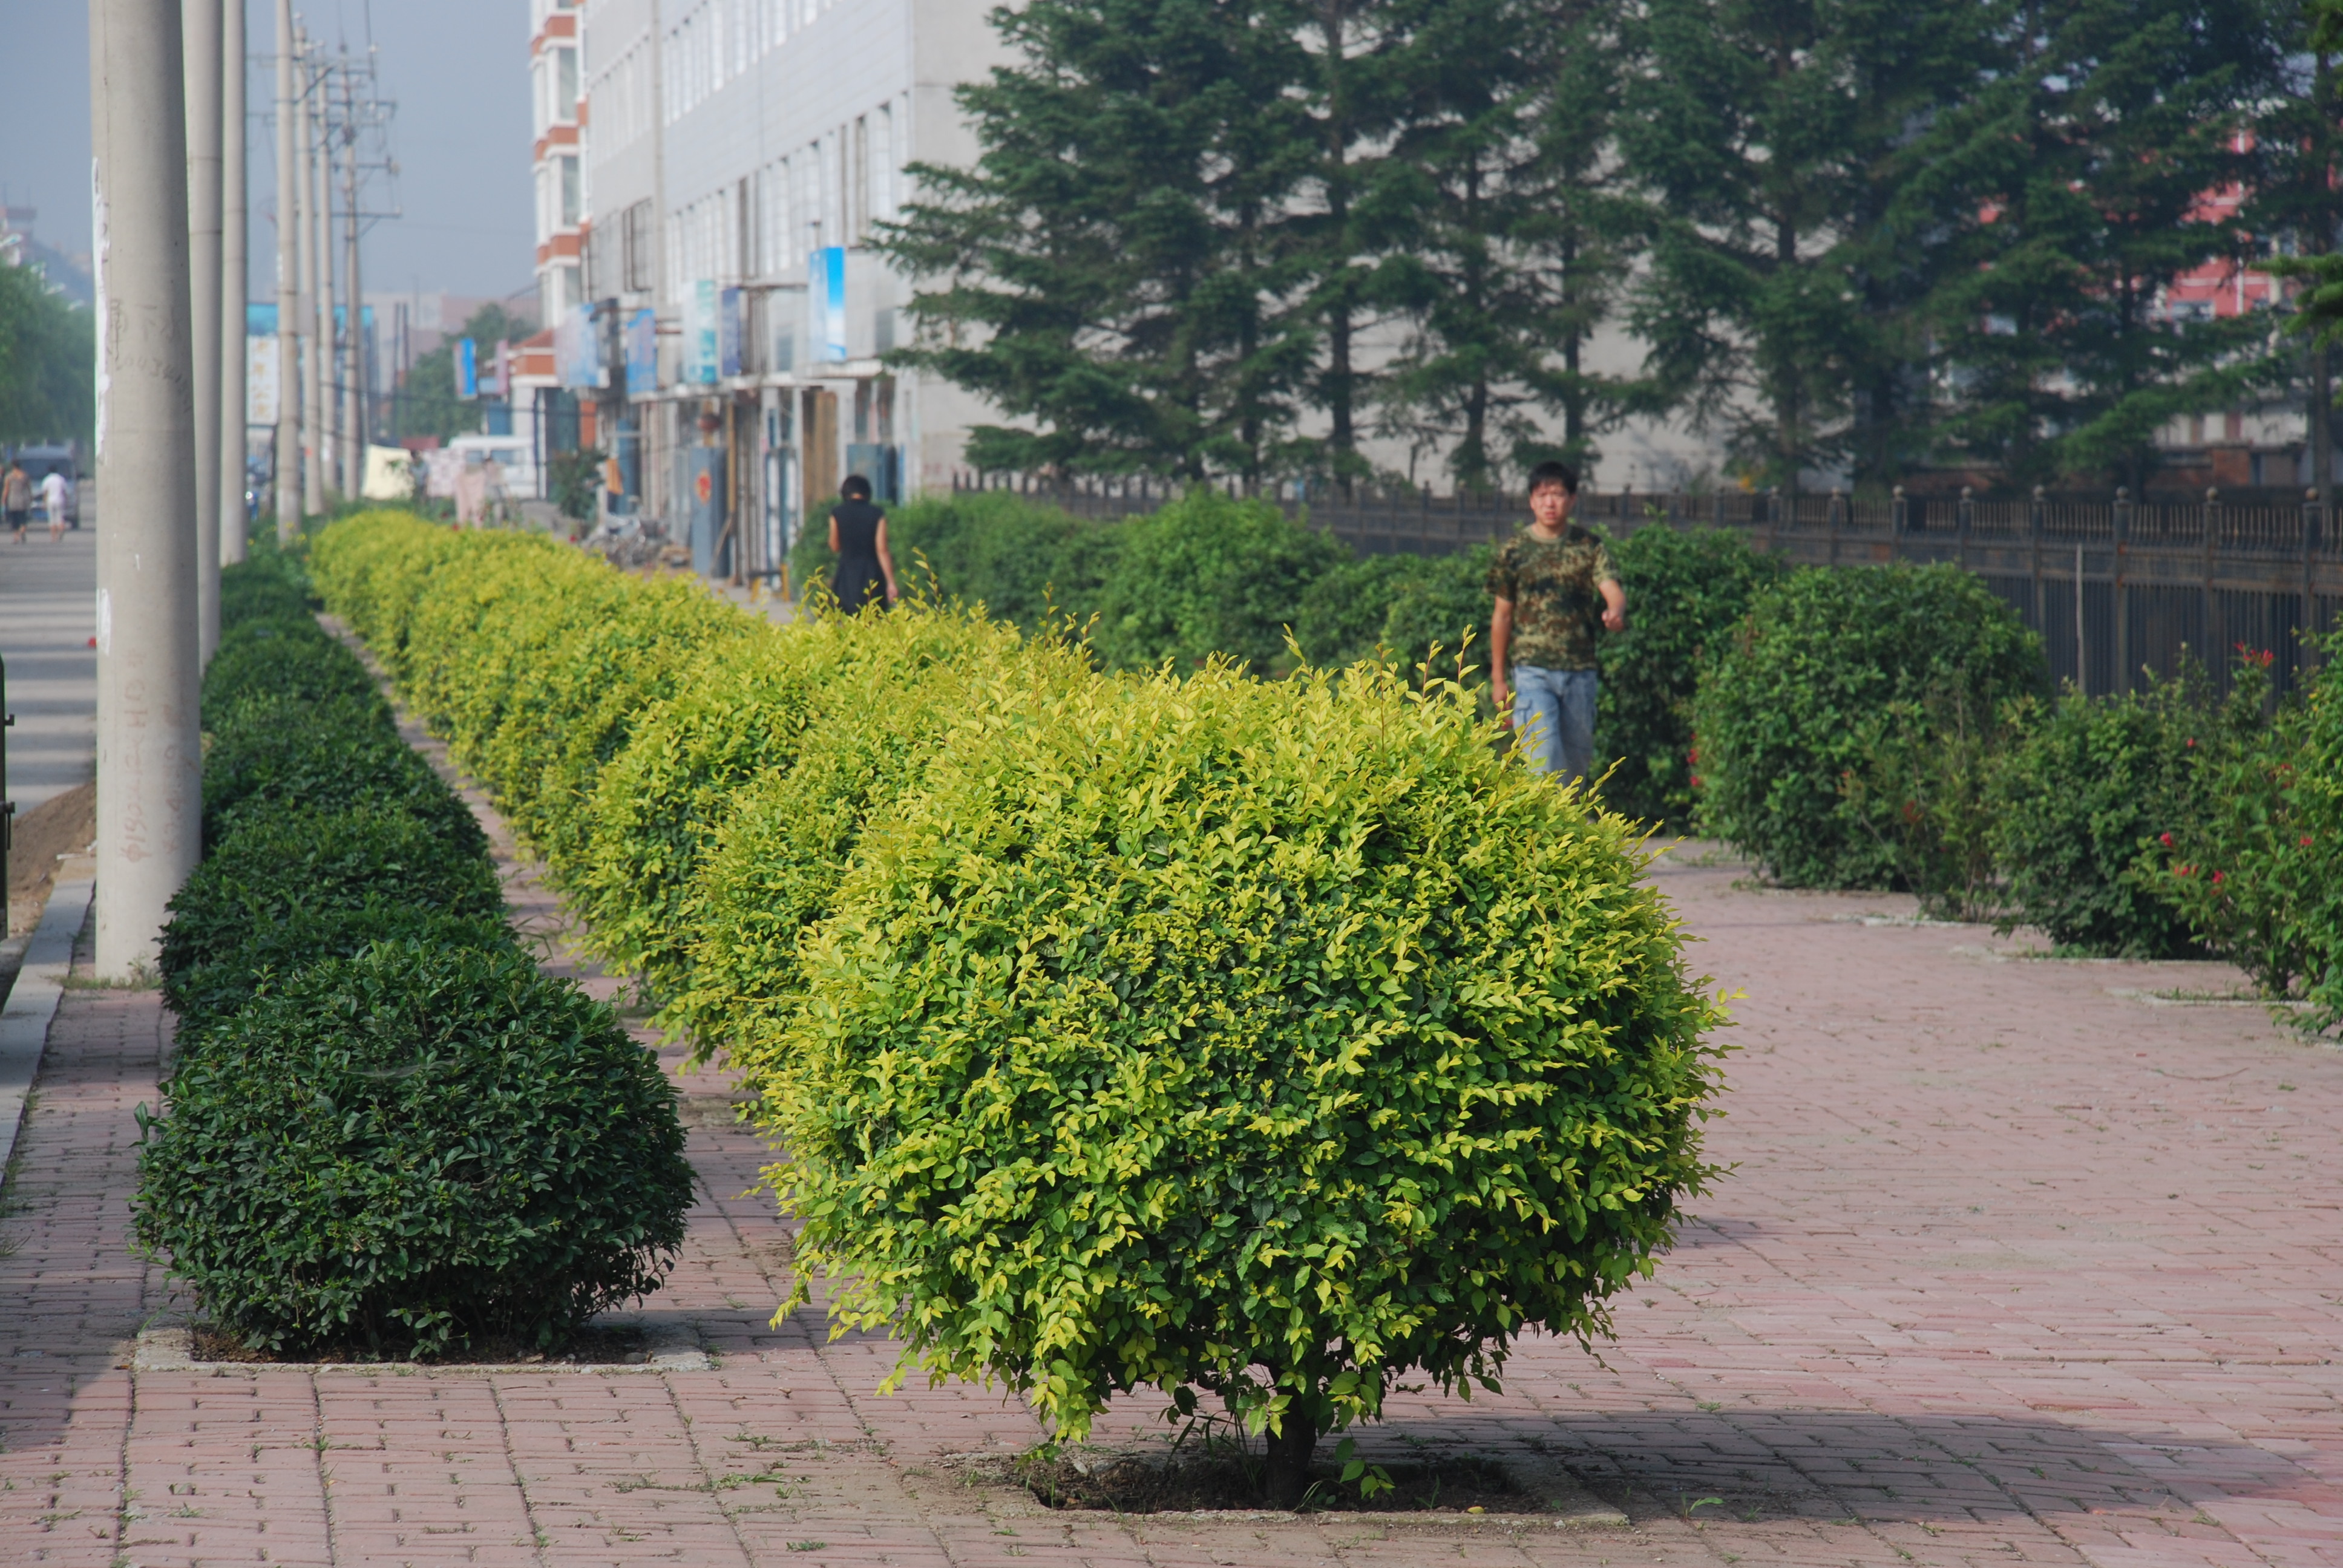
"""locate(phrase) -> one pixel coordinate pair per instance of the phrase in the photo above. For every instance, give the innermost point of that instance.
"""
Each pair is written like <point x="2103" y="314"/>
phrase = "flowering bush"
<point x="2085" y="804"/>
<point x="2259" y="873"/>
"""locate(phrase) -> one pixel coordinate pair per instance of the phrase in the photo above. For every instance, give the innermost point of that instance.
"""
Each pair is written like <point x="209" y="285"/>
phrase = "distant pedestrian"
<point x="53" y="502"/>
<point x="16" y="498"/>
<point x="857" y="534"/>
<point x="1556" y="593"/>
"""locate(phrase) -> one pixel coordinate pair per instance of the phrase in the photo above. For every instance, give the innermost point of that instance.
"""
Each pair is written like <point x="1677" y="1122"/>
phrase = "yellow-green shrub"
<point x="773" y="871"/>
<point x="660" y="803"/>
<point x="1270" y="1039"/>
<point x="1267" y="1039"/>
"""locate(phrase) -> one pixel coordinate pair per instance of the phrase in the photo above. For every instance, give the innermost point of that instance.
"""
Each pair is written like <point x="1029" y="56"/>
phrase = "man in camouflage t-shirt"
<point x="1556" y="593"/>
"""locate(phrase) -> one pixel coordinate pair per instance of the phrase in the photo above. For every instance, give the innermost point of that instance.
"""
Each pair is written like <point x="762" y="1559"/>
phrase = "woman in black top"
<point x="858" y="533"/>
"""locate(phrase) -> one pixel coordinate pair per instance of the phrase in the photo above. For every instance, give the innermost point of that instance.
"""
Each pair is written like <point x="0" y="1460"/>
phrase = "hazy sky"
<point x="458" y="69"/>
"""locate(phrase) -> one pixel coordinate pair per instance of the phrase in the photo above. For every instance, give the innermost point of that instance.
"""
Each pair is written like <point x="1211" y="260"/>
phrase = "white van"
<point x="514" y="459"/>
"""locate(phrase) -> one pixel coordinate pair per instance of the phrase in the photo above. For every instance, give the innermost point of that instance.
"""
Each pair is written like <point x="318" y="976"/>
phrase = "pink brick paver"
<point x="2008" y="1269"/>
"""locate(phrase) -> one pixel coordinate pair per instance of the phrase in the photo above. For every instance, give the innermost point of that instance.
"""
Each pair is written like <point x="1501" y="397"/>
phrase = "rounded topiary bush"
<point x="2083" y="803"/>
<point x="1686" y="592"/>
<point x="274" y="753"/>
<point x="300" y="859"/>
<point x="1207" y="575"/>
<point x="410" y="1151"/>
<point x="659" y="805"/>
<point x="203" y="993"/>
<point x="1270" y="1040"/>
<point x="1833" y="667"/>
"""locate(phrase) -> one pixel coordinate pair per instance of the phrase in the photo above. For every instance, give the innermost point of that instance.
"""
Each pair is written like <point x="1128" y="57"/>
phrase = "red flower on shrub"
<point x="2185" y="871"/>
<point x="2305" y="840"/>
<point x="2168" y="840"/>
<point x="2217" y="876"/>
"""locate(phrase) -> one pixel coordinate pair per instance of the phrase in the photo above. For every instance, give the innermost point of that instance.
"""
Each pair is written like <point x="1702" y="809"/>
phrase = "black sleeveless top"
<point x="858" y="580"/>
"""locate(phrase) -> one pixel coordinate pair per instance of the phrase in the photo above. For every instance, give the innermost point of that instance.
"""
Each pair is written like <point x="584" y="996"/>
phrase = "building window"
<point x="882" y="164"/>
<point x="565" y="84"/>
<point x="572" y="203"/>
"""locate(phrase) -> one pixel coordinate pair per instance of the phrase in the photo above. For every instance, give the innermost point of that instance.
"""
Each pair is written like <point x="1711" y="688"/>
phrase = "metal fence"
<point x="2117" y="586"/>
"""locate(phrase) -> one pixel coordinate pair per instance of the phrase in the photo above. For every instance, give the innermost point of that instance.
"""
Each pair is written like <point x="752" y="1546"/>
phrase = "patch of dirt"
<point x="1220" y="1480"/>
<point x="64" y="824"/>
<point x="593" y="1345"/>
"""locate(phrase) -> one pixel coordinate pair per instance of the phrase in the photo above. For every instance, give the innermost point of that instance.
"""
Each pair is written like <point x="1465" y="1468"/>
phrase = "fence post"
<point x="1962" y="519"/>
<point x="2122" y="591"/>
<point x="2314" y="519"/>
<point x="2215" y="632"/>
<point x="2034" y="520"/>
<point x="1833" y="517"/>
<point x="1899" y="521"/>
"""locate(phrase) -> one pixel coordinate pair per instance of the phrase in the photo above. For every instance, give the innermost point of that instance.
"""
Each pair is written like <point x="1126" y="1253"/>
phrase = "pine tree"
<point x="1475" y="174"/>
<point x="2087" y="162"/>
<point x="1777" y="140"/>
<point x="2297" y="208"/>
<point x="1117" y="269"/>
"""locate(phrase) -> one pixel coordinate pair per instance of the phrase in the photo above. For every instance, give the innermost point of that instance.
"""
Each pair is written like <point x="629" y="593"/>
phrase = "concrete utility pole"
<point x="321" y="219"/>
<point x="149" y="747"/>
<point x="354" y="441"/>
<point x="288" y="287"/>
<point x="316" y="317"/>
<point x="234" y="259"/>
<point x="200" y="21"/>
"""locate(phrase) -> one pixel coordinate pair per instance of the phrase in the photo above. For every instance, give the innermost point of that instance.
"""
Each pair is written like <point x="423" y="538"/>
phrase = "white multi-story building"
<point x="556" y="121"/>
<point x="708" y="175"/>
<point x="734" y="157"/>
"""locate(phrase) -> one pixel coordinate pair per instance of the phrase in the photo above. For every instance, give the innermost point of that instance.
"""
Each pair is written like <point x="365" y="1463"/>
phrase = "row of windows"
<point x="720" y="39"/>
<point x="827" y="192"/>
<point x="621" y="95"/>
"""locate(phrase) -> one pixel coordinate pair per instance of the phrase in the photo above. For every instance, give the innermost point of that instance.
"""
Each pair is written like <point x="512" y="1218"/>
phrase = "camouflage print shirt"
<point x="1557" y="607"/>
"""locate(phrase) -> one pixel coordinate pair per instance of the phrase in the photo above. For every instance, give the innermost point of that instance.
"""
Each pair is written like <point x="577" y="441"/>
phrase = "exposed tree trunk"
<point x="1340" y="382"/>
<point x="1289" y="1462"/>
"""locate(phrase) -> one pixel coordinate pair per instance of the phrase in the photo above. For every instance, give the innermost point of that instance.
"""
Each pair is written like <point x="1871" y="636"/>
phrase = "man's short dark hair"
<point x="1560" y="474"/>
<point x="857" y="488"/>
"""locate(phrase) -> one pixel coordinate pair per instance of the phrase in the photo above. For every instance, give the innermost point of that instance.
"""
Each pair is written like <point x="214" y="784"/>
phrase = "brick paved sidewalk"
<point x="2010" y="1269"/>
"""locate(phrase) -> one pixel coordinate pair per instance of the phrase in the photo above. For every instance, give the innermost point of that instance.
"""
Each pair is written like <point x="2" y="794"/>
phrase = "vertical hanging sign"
<point x="642" y="353"/>
<point x="700" y="333"/>
<point x="825" y="306"/>
<point x="467" y="370"/>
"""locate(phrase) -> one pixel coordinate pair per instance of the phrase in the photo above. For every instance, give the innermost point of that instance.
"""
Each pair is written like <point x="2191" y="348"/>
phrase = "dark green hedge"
<point x="408" y="1152"/>
<point x="280" y="657"/>
<point x="301" y="858"/>
<point x="275" y="753"/>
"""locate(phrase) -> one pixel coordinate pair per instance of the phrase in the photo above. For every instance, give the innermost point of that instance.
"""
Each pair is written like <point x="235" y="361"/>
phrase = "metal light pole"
<point x="234" y="259"/>
<point x="288" y="287"/>
<point x="200" y="23"/>
<point x="354" y="442"/>
<point x="313" y="293"/>
<point x="149" y="748"/>
<point x="321" y="222"/>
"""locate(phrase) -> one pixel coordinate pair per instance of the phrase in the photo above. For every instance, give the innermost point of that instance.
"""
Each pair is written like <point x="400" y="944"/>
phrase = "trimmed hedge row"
<point x="1272" y="1039"/>
<point x="387" y="1131"/>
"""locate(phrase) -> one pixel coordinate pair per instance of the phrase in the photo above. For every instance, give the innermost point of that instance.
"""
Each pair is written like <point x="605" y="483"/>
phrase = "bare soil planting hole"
<point x="1223" y="1482"/>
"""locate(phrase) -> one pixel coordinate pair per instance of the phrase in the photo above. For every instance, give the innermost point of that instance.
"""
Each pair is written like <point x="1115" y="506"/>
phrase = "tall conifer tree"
<point x="1117" y="269"/>
<point x="2087" y="163"/>
<point x="1776" y="138"/>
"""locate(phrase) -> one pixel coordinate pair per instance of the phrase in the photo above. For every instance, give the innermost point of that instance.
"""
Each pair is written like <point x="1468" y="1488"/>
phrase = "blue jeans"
<point x="1554" y="719"/>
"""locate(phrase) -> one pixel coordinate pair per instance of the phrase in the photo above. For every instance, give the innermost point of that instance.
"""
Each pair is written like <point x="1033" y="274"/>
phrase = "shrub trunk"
<point x="1289" y="1462"/>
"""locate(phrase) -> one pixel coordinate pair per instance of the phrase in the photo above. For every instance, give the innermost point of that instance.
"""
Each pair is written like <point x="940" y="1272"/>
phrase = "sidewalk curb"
<point x="33" y="1003"/>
